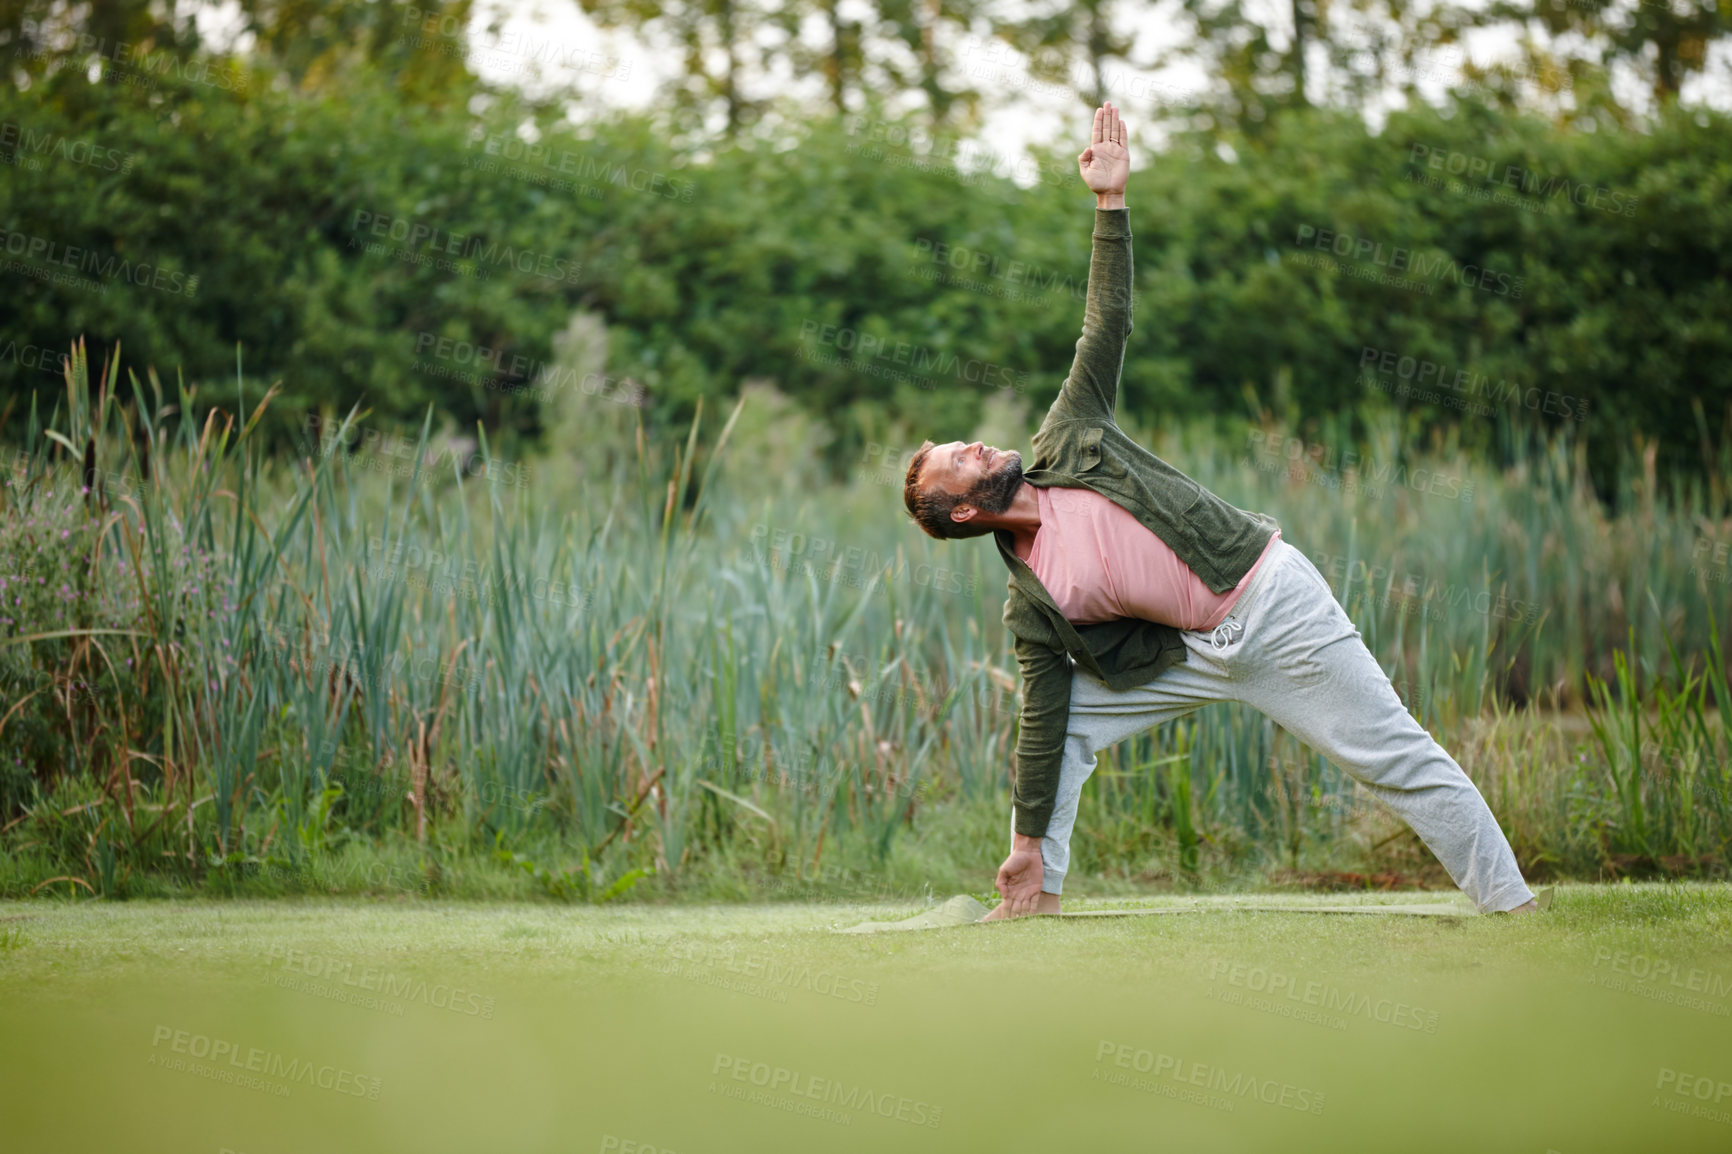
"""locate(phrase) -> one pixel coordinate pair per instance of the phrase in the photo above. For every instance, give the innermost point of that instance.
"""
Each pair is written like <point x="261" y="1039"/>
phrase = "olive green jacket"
<point x="1080" y="446"/>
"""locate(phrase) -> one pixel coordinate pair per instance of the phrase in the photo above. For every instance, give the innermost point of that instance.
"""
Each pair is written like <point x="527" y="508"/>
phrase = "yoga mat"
<point x="1433" y="910"/>
<point x="960" y="910"/>
<point x="963" y="910"/>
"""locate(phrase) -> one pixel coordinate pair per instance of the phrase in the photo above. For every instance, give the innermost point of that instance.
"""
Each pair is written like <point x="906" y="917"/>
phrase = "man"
<point x="1137" y="596"/>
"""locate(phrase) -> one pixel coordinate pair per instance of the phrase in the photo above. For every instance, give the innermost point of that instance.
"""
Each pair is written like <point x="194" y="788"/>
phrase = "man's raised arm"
<point x="1092" y="389"/>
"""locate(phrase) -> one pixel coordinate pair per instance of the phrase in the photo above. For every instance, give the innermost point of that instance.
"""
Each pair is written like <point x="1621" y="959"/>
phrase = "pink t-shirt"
<point x="1099" y="563"/>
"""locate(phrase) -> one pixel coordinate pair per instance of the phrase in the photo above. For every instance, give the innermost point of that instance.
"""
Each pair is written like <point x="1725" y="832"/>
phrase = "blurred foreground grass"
<point x="571" y="1029"/>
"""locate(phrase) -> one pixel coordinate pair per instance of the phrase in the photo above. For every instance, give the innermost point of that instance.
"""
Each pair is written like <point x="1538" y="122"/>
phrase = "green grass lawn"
<point x="334" y="1026"/>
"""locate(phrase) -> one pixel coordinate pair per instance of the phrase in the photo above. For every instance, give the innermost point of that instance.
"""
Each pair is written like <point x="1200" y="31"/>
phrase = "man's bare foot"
<point x="1539" y="903"/>
<point x="1046" y="904"/>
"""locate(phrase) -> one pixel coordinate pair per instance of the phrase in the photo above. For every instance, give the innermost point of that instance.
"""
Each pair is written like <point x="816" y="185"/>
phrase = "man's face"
<point x="984" y="477"/>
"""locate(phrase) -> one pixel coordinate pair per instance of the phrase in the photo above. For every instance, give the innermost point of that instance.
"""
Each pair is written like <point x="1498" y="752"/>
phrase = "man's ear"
<point x="963" y="513"/>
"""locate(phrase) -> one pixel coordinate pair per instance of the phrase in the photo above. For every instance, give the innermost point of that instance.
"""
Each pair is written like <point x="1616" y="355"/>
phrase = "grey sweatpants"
<point x="1290" y="651"/>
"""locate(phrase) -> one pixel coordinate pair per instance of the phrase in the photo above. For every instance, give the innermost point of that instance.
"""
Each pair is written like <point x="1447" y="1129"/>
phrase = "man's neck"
<point x="1022" y="519"/>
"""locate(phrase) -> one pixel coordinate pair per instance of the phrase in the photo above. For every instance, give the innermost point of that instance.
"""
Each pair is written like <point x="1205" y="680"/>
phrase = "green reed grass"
<point x="585" y="682"/>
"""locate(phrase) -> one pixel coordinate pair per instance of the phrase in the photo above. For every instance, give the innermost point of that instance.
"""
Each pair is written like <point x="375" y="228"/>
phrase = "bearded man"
<point x="1137" y="596"/>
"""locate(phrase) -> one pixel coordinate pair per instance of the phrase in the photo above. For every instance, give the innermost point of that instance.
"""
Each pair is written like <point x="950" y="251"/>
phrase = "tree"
<point x="1666" y="40"/>
<point x="1073" y="45"/>
<point x="422" y="48"/>
<point x="722" y="48"/>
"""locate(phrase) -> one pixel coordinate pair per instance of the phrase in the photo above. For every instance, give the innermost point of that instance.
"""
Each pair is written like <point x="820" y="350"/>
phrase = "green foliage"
<point x="866" y="276"/>
<point x="270" y="199"/>
<point x="578" y="882"/>
<point x="1673" y="789"/>
<point x="597" y="675"/>
<point x="216" y="658"/>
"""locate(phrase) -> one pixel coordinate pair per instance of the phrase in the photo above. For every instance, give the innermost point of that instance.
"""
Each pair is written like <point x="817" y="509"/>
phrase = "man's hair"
<point x="931" y="506"/>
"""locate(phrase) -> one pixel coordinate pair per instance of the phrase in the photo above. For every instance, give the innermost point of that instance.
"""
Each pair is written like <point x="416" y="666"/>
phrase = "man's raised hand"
<point x="1106" y="163"/>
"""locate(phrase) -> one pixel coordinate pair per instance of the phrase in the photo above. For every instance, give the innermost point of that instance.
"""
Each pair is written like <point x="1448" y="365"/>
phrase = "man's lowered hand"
<point x="1019" y="880"/>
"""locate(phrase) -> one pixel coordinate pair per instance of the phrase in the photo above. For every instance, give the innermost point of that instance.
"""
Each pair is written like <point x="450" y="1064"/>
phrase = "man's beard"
<point x="994" y="492"/>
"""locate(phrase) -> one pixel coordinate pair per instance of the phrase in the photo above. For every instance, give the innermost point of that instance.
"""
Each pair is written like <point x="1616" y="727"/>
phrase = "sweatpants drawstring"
<point x="1226" y="633"/>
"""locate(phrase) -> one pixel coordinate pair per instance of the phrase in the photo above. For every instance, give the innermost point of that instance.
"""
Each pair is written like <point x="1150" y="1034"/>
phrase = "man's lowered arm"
<point x="1046" y="676"/>
<point x="1046" y="679"/>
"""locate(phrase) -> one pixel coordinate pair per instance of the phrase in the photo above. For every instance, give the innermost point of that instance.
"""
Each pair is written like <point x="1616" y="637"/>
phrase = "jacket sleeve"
<point x="1046" y="678"/>
<point x="1092" y="389"/>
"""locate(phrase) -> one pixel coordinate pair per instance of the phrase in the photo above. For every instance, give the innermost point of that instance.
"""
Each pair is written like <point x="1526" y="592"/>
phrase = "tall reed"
<point x="255" y="660"/>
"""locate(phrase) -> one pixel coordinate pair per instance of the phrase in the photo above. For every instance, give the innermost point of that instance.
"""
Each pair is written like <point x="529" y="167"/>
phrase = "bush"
<point x="365" y="249"/>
